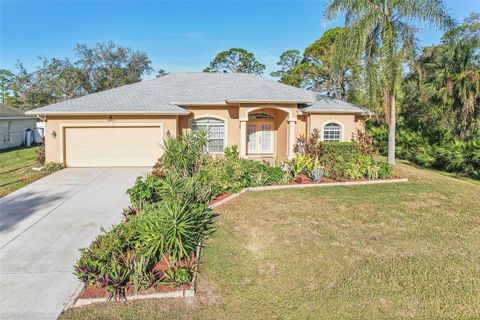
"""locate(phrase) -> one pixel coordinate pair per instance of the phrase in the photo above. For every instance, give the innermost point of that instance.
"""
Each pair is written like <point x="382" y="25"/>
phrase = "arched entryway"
<point x="266" y="133"/>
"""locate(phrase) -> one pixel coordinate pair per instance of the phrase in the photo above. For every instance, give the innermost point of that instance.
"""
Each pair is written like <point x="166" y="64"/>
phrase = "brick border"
<point x="301" y="186"/>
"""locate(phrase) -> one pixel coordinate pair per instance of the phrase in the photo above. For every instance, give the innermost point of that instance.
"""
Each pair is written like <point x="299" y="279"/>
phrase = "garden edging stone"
<point x="311" y="185"/>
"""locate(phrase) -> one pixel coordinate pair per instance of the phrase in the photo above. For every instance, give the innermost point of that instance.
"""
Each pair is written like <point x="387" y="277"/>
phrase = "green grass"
<point x="16" y="169"/>
<point x="394" y="251"/>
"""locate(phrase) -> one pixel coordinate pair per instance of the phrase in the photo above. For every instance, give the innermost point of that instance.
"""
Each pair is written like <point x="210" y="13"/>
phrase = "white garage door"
<point x="113" y="146"/>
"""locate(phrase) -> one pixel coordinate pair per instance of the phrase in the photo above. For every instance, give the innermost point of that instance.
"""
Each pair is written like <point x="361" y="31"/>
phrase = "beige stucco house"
<point x="126" y="126"/>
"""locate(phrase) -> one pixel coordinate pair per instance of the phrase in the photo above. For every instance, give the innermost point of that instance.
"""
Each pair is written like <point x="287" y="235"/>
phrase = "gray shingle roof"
<point x="328" y="105"/>
<point x="167" y="94"/>
<point x="11" y="112"/>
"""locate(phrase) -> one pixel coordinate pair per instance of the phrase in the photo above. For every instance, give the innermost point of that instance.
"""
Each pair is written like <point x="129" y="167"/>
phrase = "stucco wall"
<point x="54" y="146"/>
<point x="17" y="131"/>
<point x="229" y="114"/>
<point x="349" y="123"/>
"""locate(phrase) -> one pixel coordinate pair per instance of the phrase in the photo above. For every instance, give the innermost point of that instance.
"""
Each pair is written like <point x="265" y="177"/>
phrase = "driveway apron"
<point x="42" y="228"/>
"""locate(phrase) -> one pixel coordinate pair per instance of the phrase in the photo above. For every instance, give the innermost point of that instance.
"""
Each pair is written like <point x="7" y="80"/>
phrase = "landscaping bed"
<point x="380" y="251"/>
<point x="154" y="249"/>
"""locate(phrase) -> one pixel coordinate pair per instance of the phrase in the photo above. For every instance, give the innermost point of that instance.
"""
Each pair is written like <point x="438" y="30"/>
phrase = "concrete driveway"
<point x="43" y="225"/>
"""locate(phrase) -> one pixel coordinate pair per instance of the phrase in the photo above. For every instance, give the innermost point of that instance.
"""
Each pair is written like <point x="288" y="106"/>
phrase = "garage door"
<point x="112" y="146"/>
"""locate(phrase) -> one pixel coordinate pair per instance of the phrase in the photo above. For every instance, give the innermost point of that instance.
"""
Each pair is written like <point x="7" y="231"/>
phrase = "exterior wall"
<point x="54" y="147"/>
<point x="17" y="132"/>
<point x="229" y="114"/>
<point x="349" y="122"/>
<point x="301" y="127"/>
<point x="232" y="114"/>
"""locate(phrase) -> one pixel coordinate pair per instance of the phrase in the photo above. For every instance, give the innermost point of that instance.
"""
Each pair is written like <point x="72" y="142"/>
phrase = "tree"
<point x="289" y="61"/>
<point x="98" y="68"/>
<point x="380" y="30"/>
<point x="6" y="78"/>
<point x="323" y="68"/>
<point x="107" y="65"/>
<point x="235" y="60"/>
<point x="444" y="84"/>
<point x="161" y="73"/>
<point x="55" y="80"/>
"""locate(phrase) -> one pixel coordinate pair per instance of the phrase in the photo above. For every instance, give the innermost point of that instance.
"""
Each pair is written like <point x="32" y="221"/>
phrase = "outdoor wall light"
<point x="110" y="119"/>
<point x="54" y="134"/>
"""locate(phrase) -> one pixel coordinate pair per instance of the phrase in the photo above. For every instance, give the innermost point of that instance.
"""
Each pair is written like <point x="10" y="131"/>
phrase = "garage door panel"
<point x="113" y="146"/>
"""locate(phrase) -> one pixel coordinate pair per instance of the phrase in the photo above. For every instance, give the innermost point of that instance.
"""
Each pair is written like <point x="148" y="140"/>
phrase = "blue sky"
<point x="177" y="35"/>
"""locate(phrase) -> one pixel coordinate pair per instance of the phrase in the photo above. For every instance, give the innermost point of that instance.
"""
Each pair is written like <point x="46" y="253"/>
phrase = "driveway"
<point x="43" y="225"/>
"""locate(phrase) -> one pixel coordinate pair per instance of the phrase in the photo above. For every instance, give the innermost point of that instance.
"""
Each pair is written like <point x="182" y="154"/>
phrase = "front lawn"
<point x="16" y="169"/>
<point x="408" y="250"/>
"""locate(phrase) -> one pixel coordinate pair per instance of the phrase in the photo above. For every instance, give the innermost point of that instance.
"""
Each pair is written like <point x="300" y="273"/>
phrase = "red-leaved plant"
<point x="308" y="146"/>
<point x="365" y="140"/>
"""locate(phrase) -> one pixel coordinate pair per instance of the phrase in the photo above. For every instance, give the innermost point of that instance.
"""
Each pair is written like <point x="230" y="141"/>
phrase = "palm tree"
<point x="453" y="74"/>
<point x="381" y="31"/>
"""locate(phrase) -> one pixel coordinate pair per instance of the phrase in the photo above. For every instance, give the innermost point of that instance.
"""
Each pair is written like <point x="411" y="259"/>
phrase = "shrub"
<point x="231" y="152"/>
<point x="348" y="161"/>
<point x="145" y="191"/>
<point x="432" y="147"/>
<point x="460" y="156"/>
<point x="365" y="140"/>
<point x="300" y="164"/>
<point x="308" y="146"/>
<point x="51" y="167"/>
<point x="103" y="257"/>
<point x="386" y="170"/>
<point x="182" y="275"/>
<point x="223" y="175"/>
<point x="184" y="154"/>
<point x="173" y="229"/>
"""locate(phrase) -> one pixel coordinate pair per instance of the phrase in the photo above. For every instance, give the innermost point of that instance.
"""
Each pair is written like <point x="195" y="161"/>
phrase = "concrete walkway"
<point x="43" y="225"/>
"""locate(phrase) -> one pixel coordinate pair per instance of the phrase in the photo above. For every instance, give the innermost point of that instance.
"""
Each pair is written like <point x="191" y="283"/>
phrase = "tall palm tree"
<point x="381" y="30"/>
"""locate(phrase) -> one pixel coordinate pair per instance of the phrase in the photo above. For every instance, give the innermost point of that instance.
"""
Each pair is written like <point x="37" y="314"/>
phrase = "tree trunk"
<point x="391" y="132"/>
<point x="387" y="104"/>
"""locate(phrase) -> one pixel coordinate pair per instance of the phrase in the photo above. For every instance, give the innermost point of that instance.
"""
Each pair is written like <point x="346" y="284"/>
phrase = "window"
<point x="7" y="131"/>
<point x="332" y="132"/>
<point x="259" y="116"/>
<point x="216" y="132"/>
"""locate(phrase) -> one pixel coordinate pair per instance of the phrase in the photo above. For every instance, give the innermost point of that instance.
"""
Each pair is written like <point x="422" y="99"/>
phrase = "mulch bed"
<point x="99" y="292"/>
<point x="220" y="198"/>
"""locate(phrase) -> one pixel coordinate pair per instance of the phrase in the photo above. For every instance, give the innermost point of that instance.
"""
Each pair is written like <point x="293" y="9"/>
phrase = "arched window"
<point x="216" y="132"/>
<point x="332" y="132"/>
<point x="254" y="116"/>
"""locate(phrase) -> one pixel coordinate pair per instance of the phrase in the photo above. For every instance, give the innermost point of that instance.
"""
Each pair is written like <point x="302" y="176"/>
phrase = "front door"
<point x="260" y="138"/>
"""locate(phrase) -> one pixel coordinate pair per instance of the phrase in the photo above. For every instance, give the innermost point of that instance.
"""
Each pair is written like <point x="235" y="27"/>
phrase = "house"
<point x="14" y="125"/>
<point x="126" y="126"/>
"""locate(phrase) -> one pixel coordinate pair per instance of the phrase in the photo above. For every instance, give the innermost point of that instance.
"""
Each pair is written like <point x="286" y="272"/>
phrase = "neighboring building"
<point x="126" y="126"/>
<point x="13" y="126"/>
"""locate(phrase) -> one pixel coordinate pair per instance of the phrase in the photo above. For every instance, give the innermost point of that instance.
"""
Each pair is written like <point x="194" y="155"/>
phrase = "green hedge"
<point x="346" y="161"/>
